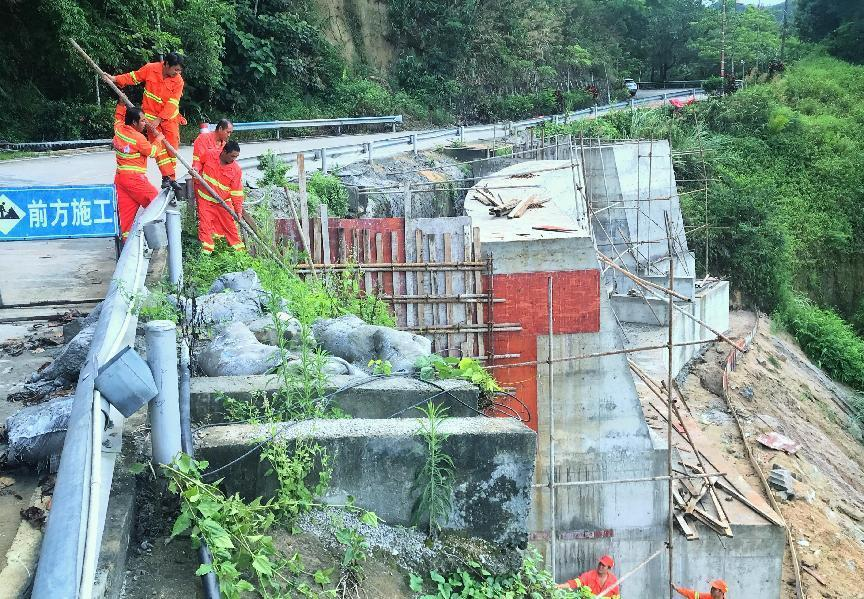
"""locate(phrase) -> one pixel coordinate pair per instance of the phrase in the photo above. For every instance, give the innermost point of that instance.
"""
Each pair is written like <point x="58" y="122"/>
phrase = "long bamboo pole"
<point x="173" y="151"/>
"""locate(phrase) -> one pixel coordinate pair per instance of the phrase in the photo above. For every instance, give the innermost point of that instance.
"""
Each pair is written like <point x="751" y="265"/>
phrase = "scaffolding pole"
<point x="671" y="487"/>
<point x="551" y="396"/>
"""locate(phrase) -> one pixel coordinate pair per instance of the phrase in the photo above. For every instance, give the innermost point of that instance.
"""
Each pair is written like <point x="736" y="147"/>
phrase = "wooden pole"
<point x="304" y="203"/>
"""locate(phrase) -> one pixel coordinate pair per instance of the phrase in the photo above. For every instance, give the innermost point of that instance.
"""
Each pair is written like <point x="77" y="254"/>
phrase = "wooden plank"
<point x="468" y="285"/>
<point x="433" y="289"/>
<point x="448" y="289"/>
<point x="420" y="278"/>
<point x="355" y="245"/>
<point x="476" y="256"/>
<point x="341" y="250"/>
<point x="397" y="281"/>
<point x="304" y="205"/>
<point x="521" y="207"/>
<point x="325" y="233"/>
<point x="689" y="532"/>
<point x="317" y="242"/>
<point x="379" y="257"/>
<point x="367" y="258"/>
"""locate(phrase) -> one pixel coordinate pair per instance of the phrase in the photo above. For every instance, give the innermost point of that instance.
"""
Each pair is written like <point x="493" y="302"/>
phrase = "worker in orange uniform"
<point x="598" y="580"/>
<point x="132" y="149"/>
<point x="718" y="591"/>
<point x="163" y="87"/>
<point x="221" y="171"/>
<point x="209" y="140"/>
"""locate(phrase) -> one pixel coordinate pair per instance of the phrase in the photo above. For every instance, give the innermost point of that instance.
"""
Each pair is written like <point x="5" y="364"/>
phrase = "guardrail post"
<point x="161" y="337"/>
<point x="323" y="154"/>
<point x="368" y="149"/>
<point x="665" y="98"/>
<point x="632" y="103"/>
<point x="278" y="134"/>
<point x="413" y="143"/>
<point x="461" y="133"/>
<point x="394" y="126"/>
<point x="338" y="129"/>
<point x="175" y="248"/>
<point x="594" y="111"/>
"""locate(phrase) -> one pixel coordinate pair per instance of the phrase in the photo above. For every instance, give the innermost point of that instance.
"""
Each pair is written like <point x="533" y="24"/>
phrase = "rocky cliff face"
<point x="361" y="29"/>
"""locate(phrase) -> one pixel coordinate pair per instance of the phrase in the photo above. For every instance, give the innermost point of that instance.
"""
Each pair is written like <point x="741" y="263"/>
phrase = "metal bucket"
<point x="156" y="235"/>
<point x="126" y="382"/>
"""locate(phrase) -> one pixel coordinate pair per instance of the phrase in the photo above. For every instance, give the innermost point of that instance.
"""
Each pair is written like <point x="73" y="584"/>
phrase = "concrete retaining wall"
<point x="378" y="462"/>
<point x="361" y="396"/>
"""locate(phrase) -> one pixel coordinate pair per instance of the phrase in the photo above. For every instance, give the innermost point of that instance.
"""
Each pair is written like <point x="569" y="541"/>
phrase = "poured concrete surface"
<point x="55" y="270"/>
<point x="359" y="396"/>
<point x="378" y="461"/>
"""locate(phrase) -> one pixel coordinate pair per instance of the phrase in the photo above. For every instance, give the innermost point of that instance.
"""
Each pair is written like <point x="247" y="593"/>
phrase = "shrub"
<point x="329" y="190"/>
<point x="827" y="339"/>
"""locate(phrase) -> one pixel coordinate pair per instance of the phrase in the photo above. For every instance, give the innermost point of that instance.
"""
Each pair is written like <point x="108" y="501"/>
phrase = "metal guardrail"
<point x="47" y="146"/>
<point x="73" y="533"/>
<point x="366" y="149"/>
<point x="314" y="123"/>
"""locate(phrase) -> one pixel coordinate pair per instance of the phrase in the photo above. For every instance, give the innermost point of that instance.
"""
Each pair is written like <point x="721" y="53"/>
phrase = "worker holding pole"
<point x="131" y="149"/>
<point x="598" y="580"/>
<point x="163" y="87"/>
<point x="220" y="170"/>
<point x="718" y="591"/>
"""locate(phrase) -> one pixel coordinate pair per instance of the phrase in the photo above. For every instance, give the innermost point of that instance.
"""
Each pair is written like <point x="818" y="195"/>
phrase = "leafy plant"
<point x="435" y="366"/>
<point x="436" y="477"/>
<point x="328" y="189"/>
<point x="273" y="169"/>
<point x="356" y="551"/>
<point x="381" y="367"/>
<point x="474" y="581"/>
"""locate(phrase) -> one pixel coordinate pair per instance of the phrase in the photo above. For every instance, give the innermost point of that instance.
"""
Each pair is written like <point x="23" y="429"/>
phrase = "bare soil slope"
<point x="776" y="388"/>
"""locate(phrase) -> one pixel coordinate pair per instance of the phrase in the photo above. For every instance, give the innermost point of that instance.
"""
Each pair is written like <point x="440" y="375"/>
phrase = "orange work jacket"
<point x="132" y="149"/>
<point x="591" y="580"/>
<point x="161" y="94"/>
<point x="225" y="179"/>
<point x="203" y="144"/>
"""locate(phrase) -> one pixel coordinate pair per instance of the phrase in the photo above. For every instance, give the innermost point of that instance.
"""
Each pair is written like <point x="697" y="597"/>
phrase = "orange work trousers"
<point x="215" y="222"/>
<point x="166" y="162"/>
<point x="133" y="190"/>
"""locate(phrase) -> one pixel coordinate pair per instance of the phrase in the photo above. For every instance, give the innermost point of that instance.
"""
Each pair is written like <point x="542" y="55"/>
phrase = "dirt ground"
<point x="25" y="346"/>
<point x="776" y="388"/>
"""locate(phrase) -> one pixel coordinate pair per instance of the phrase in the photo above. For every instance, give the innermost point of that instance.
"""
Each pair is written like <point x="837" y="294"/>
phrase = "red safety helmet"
<point x="607" y="561"/>
<point x="720" y="585"/>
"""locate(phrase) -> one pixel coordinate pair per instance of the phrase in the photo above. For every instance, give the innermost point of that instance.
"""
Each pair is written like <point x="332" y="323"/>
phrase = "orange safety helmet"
<point x="720" y="585"/>
<point x="607" y="561"/>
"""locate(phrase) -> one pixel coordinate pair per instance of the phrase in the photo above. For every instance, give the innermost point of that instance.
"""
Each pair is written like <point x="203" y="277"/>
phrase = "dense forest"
<point x="463" y="60"/>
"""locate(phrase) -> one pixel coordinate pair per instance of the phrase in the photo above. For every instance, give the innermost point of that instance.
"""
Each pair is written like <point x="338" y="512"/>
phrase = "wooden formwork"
<point x="430" y="271"/>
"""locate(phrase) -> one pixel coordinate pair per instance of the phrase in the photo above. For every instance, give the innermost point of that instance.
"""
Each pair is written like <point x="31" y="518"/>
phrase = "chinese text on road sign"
<point x="57" y="212"/>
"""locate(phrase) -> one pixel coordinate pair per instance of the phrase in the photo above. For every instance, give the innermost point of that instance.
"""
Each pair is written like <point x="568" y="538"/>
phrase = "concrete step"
<point x="359" y="396"/>
<point x="378" y="461"/>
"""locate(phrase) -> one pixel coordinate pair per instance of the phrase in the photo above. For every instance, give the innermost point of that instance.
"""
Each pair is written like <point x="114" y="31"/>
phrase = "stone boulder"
<point x="264" y="329"/>
<point x="353" y="340"/>
<point x="235" y="351"/>
<point x="36" y="433"/>
<point x="246" y="280"/>
<point x="229" y="306"/>
<point x="69" y="361"/>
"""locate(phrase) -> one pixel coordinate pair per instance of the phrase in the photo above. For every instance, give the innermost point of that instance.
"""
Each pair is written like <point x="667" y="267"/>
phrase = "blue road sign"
<point x="57" y="212"/>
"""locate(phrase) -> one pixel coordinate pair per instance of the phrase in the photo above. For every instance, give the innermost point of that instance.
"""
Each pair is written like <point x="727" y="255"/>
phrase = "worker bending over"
<point x="718" y="591"/>
<point x="132" y="150"/>
<point x="598" y="580"/>
<point x="210" y="140"/>
<point x="163" y="87"/>
<point x="221" y="171"/>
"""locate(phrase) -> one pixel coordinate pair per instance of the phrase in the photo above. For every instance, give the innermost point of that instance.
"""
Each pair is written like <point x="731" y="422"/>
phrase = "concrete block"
<point x="378" y="461"/>
<point x="362" y="396"/>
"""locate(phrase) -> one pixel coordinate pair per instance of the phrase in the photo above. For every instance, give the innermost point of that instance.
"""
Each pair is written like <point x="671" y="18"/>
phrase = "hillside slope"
<point x="776" y="388"/>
